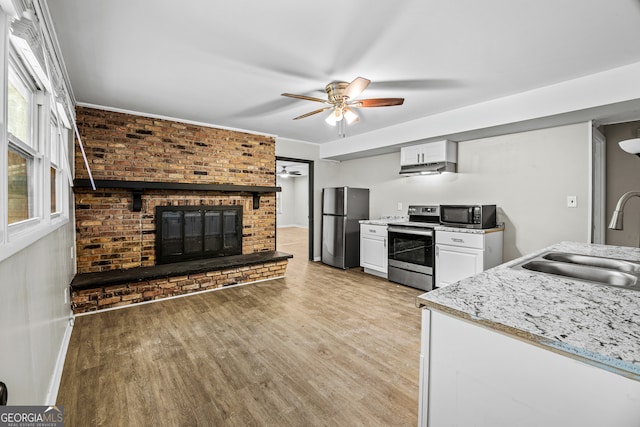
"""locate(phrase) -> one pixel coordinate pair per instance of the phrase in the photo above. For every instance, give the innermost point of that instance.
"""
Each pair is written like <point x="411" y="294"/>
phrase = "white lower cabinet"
<point x="460" y="255"/>
<point x="373" y="249"/>
<point x="471" y="375"/>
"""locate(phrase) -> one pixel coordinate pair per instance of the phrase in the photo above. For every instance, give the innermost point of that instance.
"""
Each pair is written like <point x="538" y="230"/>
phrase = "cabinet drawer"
<point x="466" y="240"/>
<point x="373" y="230"/>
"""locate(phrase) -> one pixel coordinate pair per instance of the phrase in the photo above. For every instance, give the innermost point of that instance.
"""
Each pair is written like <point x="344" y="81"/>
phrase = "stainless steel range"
<point x="412" y="248"/>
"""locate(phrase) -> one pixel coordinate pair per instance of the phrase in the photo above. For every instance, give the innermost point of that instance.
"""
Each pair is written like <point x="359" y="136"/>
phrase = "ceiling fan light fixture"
<point x="341" y="103"/>
<point x="330" y="120"/>
<point x="283" y="173"/>
<point x="350" y="116"/>
<point x="334" y="117"/>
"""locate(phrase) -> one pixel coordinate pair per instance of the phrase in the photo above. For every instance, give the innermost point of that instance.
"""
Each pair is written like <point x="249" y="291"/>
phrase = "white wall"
<point x="295" y="202"/>
<point x="528" y="175"/>
<point x="34" y="314"/>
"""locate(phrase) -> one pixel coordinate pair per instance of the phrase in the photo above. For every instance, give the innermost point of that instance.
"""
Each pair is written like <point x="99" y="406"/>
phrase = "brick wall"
<point x="135" y="148"/>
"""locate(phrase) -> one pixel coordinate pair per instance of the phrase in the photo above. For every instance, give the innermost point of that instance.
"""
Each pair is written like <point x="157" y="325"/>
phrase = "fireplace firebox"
<point x="185" y="233"/>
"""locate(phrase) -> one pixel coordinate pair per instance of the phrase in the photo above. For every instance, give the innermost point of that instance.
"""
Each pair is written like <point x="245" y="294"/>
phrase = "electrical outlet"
<point x="572" y="202"/>
<point x="71" y="252"/>
<point x="399" y="206"/>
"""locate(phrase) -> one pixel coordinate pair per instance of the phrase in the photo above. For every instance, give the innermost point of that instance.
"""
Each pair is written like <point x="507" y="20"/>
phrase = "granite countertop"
<point x="596" y="324"/>
<point x="499" y="227"/>
<point x="385" y="220"/>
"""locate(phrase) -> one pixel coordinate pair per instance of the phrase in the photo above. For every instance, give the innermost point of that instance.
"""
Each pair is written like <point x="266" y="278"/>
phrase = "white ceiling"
<point x="227" y="62"/>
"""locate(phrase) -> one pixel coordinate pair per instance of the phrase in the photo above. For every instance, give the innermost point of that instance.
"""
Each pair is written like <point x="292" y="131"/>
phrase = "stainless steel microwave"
<point x="468" y="216"/>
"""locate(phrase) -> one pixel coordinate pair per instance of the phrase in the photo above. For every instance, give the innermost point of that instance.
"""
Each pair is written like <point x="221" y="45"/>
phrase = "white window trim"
<point x="18" y="236"/>
<point x="56" y="133"/>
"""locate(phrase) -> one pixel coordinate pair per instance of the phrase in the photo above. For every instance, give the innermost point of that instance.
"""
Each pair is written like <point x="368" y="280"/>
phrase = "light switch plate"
<point x="572" y="201"/>
<point x="399" y="206"/>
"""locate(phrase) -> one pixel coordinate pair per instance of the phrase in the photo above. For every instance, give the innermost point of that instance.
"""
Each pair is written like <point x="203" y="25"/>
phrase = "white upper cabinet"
<point x="430" y="152"/>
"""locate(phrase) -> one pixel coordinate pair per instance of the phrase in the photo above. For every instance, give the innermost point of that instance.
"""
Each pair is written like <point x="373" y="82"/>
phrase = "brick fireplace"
<point x="146" y="165"/>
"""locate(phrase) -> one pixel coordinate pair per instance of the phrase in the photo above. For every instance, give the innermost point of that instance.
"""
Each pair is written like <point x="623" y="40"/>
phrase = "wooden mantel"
<point x="137" y="187"/>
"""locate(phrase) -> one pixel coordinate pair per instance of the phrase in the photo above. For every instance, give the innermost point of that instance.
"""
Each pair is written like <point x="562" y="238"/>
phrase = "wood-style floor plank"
<point x="322" y="347"/>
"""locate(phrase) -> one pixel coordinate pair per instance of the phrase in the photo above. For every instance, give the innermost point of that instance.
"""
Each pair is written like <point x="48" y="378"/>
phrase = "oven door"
<point x="411" y="248"/>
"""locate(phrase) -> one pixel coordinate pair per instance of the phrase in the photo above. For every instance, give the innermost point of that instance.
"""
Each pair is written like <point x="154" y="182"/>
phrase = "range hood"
<point x="429" y="158"/>
<point x="428" y="168"/>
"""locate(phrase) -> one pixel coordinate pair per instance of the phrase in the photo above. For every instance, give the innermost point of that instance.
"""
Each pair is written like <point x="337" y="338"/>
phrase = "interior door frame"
<point x="310" y="213"/>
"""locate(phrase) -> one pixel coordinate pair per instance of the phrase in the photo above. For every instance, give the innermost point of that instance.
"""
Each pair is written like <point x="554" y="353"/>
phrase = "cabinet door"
<point x="373" y="253"/>
<point x="411" y="155"/>
<point x="455" y="263"/>
<point x="476" y="376"/>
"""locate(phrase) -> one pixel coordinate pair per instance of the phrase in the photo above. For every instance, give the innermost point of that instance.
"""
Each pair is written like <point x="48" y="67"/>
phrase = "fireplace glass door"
<point x="195" y="232"/>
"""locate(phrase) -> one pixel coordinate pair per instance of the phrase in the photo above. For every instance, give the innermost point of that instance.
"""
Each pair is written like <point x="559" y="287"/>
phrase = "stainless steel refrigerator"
<point x="342" y="209"/>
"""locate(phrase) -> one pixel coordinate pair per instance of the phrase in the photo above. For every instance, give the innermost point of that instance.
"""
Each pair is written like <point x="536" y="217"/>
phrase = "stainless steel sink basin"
<point x="600" y="270"/>
<point x="592" y="274"/>
<point x="594" y="261"/>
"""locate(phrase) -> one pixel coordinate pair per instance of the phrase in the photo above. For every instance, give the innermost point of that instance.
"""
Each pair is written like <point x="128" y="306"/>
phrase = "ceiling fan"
<point x="342" y="100"/>
<point x="284" y="173"/>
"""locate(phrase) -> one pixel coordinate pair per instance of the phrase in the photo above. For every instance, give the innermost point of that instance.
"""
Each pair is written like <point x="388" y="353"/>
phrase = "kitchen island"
<point x="512" y="347"/>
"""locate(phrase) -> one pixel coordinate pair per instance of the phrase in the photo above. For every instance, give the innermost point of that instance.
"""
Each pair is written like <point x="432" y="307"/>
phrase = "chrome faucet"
<point x="616" y="218"/>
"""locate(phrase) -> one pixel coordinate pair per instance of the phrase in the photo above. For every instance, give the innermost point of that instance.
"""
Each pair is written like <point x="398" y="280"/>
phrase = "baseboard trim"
<point x="56" y="377"/>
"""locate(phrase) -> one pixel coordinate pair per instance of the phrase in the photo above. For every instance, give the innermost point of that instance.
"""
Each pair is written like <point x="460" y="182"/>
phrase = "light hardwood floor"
<point x="322" y="347"/>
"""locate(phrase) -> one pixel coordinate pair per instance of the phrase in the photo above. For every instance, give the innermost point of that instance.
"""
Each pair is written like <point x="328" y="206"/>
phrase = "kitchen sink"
<point x="600" y="270"/>
<point x="594" y="261"/>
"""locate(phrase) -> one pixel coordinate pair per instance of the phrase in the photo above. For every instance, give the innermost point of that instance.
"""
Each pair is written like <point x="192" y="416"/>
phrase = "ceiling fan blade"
<point x="377" y="102"/>
<point x="356" y="87"/>
<point x="306" y="98"/>
<point x="311" y="113"/>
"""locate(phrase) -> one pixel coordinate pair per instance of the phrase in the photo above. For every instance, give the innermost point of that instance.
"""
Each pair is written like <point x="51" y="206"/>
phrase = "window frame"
<point x="46" y="128"/>
<point x="56" y="162"/>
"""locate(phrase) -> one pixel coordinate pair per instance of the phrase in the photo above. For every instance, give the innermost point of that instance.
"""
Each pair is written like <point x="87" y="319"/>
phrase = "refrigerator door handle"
<point x="345" y="202"/>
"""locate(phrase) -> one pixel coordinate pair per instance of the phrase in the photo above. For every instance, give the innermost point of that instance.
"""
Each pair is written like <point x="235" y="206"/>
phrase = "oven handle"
<point x="410" y="231"/>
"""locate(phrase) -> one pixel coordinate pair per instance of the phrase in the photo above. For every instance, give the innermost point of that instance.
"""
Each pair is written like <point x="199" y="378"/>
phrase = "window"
<point x="35" y="175"/>
<point x="18" y="111"/>
<point x="20" y="201"/>
<point x="22" y="149"/>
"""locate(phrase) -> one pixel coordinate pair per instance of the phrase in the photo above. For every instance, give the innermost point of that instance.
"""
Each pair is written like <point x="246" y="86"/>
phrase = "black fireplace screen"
<point x="186" y="233"/>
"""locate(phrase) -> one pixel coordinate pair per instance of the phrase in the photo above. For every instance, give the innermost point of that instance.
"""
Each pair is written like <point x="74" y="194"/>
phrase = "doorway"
<point x="295" y="202"/>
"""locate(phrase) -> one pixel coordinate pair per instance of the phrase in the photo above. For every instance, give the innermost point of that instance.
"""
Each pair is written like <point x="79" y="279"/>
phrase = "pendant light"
<point x="631" y="146"/>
